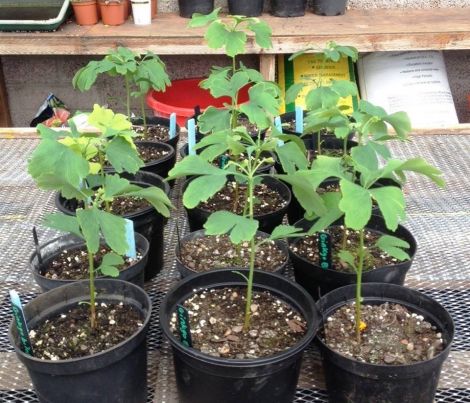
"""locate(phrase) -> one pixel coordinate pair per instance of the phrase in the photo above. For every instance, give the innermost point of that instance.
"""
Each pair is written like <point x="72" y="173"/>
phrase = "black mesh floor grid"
<point x="155" y="335"/>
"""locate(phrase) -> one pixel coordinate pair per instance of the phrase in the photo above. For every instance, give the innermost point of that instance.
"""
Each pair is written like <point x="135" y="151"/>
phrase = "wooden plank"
<point x="368" y="30"/>
<point x="267" y="66"/>
<point x="5" y="118"/>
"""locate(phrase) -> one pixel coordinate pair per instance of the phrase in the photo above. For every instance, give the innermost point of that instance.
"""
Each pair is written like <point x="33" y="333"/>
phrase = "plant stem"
<point x="102" y="174"/>
<point x="91" y="271"/>
<point x="319" y="142"/>
<point x="360" y="264"/>
<point x="128" y="97"/>
<point x="249" y="288"/>
<point x="144" y="118"/>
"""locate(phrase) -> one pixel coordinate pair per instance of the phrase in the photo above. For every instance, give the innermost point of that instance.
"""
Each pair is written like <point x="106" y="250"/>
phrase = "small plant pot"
<point x="50" y="250"/>
<point x="318" y="281"/>
<point x="153" y="121"/>
<point x="248" y="8"/>
<point x="329" y="7"/>
<point x="118" y="374"/>
<point x="186" y="271"/>
<point x="163" y="165"/>
<point x="112" y="13"/>
<point x="189" y="7"/>
<point x="86" y="13"/>
<point x="349" y="380"/>
<point x="202" y="378"/>
<point x="288" y="8"/>
<point x="142" y="12"/>
<point x="147" y="222"/>
<point x="267" y="222"/>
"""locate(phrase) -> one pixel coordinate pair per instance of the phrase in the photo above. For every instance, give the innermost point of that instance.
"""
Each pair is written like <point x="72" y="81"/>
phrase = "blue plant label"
<point x="278" y="124"/>
<point x="324" y="250"/>
<point x="20" y="321"/>
<point x="183" y="325"/>
<point x="130" y="238"/>
<point x="172" y="125"/>
<point x="299" y="120"/>
<point x="191" y="137"/>
<point x="223" y="159"/>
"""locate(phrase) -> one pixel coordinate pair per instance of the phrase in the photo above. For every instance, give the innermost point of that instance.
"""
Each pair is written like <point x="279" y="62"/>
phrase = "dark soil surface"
<point x="72" y="264"/>
<point x="307" y="247"/>
<point x="154" y="132"/>
<point x="251" y="128"/>
<point x="148" y="153"/>
<point x="127" y="205"/>
<point x="215" y="252"/>
<point x="393" y="335"/>
<point x="69" y="335"/>
<point x="217" y="317"/>
<point x="268" y="200"/>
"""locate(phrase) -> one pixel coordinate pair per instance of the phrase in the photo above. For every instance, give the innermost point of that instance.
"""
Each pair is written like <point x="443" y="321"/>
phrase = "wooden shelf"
<point x="367" y="30"/>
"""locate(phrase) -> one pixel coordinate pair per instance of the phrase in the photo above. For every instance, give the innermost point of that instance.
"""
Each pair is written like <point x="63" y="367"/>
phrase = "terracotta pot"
<point x="127" y="8"/>
<point x="154" y="8"/>
<point x="86" y="13"/>
<point x="112" y="13"/>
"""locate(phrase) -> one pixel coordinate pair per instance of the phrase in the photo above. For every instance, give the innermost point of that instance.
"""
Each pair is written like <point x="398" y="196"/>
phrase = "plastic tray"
<point x="33" y="15"/>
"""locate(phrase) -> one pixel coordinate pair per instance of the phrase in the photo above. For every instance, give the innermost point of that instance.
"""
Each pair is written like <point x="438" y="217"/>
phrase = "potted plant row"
<point x="95" y="326"/>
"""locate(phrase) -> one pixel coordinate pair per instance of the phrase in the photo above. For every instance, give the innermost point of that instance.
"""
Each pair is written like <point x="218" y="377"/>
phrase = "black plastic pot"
<point x="248" y="8"/>
<point x="267" y="222"/>
<point x="189" y="7"/>
<point x="50" y="250"/>
<point x="288" y="8"/>
<point x="265" y="169"/>
<point x="163" y="165"/>
<point x="318" y="281"/>
<point x="118" y="374"/>
<point x="186" y="271"/>
<point x="329" y="7"/>
<point x="203" y="378"/>
<point x="159" y="121"/>
<point x="147" y="221"/>
<point x="349" y="380"/>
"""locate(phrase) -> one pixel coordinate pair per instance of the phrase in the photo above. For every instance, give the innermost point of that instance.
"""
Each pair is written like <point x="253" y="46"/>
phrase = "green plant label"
<point x="183" y="325"/>
<point x="223" y="159"/>
<point x="324" y="250"/>
<point x="130" y="238"/>
<point x="20" y="321"/>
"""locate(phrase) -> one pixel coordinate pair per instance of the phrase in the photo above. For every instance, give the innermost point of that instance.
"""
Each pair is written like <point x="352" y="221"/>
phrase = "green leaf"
<point x="393" y="246"/>
<point x="321" y="97"/>
<point x="218" y="82"/>
<point x="400" y="122"/>
<point x="291" y="157"/>
<point x="115" y="185"/>
<point x="262" y="33"/>
<point x="122" y="156"/>
<point x="109" y="263"/>
<point x="224" y="222"/>
<point x="263" y="104"/>
<point x="293" y="92"/>
<point x="391" y="203"/>
<point x="194" y="165"/>
<point x="90" y="227"/>
<point x="348" y="51"/>
<point x="200" y="20"/>
<point x="333" y="213"/>
<point x="356" y="204"/>
<point x="156" y="197"/>
<point x="365" y="158"/>
<point x="63" y="223"/>
<point x="87" y="75"/>
<point x="324" y="167"/>
<point x="201" y="189"/>
<point x="214" y="120"/>
<point x="235" y="43"/>
<point x="113" y="229"/>
<point x="347" y="257"/>
<point x="344" y="88"/>
<point x="371" y="109"/>
<point x="284" y="231"/>
<point x="419" y="165"/>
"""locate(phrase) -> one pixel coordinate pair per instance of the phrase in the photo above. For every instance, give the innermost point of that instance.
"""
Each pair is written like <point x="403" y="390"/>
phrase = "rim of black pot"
<point x="59" y="199"/>
<point x="155" y="120"/>
<point x="299" y="346"/>
<point x="145" y="324"/>
<point x="261" y="216"/>
<point x="408" y="305"/>
<point x="157" y="144"/>
<point x="279" y="243"/>
<point x="80" y="242"/>
<point x="413" y="248"/>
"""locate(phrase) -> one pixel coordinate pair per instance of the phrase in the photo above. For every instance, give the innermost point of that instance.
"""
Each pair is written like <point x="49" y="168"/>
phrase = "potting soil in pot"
<point x="392" y="335"/>
<point x="307" y="247"/>
<point x="148" y="153"/>
<point x="69" y="334"/>
<point x="155" y="132"/>
<point x="209" y="252"/>
<point x="217" y="318"/>
<point x="72" y="264"/>
<point x="119" y="205"/>
<point x="227" y="199"/>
